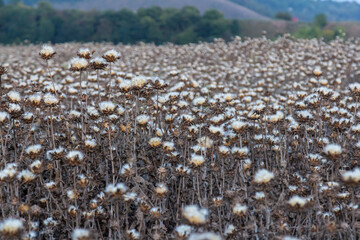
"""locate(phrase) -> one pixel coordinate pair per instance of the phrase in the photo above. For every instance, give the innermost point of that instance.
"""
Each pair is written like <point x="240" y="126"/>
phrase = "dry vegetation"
<point x="249" y="139"/>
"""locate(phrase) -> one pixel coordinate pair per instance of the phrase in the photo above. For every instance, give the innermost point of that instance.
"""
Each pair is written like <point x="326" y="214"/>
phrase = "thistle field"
<point x="248" y="139"/>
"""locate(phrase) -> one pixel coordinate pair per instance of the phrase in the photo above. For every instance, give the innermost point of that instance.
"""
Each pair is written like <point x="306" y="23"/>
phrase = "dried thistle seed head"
<point x="144" y="206"/>
<point x="217" y="201"/>
<point x="75" y="157"/>
<point x="50" y="185"/>
<point x="240" y="152"/>
<point x="129" y="197"/>
<point x="50" y="100"/>
<point x="107" y="107"/>
<point x="3" y="70"/>
<point x="259" y="196"/>
<point x="199" y="101"/>
<point x="317" y="71"/>
<point x="351" y="178"/>
<point x="239" y="209"/>
<point x="111" y="56"/>
<point x="143" y="119"/>
<point x="28" y="117"/>
<point x="161" y="190"/>
<point x="355" y="88"/>
<point x="117" y="190"/>
<point x="156" y="212"/>
<point x="263" y="176"/>
<point x="78" y="64"/>
<point x="15" y="110"/>
<point x="47" y="52"/>
<point x="11" y="228"/>
<point x="168" y="146"/>
<point x="90" y="144"/>
<point x="35" y="99"/>
<point x="82" y="180"/>
<point x="125" y="86"/>
<point x="24" y="208"/>
<point x="183" y="231"/>
<point x="85" y="53"/>
<point x="139" y="82"/>
<point x="81" y="234"/>
<point x="155" y="142"/>
<point x="14" y="96"/>
<point x="230" y="230"/>
<point x="72" y="194"/>
<point x="72" y="210"/>
<point x="25" y="176"/>
<point x="50" y="222"/>
<point x="98" y="63"/>
<point x="204" y="236"/>
<point x="333" y="150"/>
<point x="298" y="203"/>
<point x="93" y="203"/>
<point x="127" y="169"/>
<point x="197" y="160"/>
<point x="195" y="215"/>
<point x="4" y="117"/>
<point x="33" y="151"/>
<point x="182" y="170"/>
<point x="132" y="234"/>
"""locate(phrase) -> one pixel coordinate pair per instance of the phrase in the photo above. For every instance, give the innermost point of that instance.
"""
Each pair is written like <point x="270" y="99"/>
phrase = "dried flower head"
<point x="78" y="64"/>
<point x="195" y="215"/>
<point x="351" y="177"/>
<point x="98" y="63"/>
<point x="333" y="150"/>
<point x="47" y="52"/>
<point x="75" y="157"/>
<point x="111" y="56"/>
<point x="263" y="176"/>
<point x="239" y="209"/>
<point x="3" y="70"/>
<point x="11" y="228"/>
<point x="204" y="236"/>
<point x="81" y="234"/>
<point x="85" y="53"/>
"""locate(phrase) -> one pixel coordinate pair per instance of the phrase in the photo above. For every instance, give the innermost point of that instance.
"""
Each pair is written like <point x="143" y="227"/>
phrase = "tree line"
<point x="19" y="23"/>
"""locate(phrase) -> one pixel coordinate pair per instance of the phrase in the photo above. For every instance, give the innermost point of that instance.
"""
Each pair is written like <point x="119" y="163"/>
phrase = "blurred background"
<point x="176" y="21"/>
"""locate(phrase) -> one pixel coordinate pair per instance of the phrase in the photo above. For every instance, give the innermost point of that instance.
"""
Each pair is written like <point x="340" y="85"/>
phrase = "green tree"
<point x="320" y="20"/>
<point x="283" y="16"/>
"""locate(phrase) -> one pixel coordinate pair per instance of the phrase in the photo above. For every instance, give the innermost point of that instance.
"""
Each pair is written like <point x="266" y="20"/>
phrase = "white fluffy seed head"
<point x="47" y="52"/>
<point x="80" y="234"/>
<point x="107" y="106"/>
<point x="139" y="82"/>
<point x="14" y="96"/>
<point x="195" y="215"/>
<point x="263" y="176"/>
<point x="205" y="236"/>
<point x="50" y="99"/>
<point x="197" y="160"/>
<point x="4" y="116"/>
<point x="239" y="209"/>
<point x="297" y="201"/>
<point x="78" y="64"/>
<point x="142" y="119"/>
<point x="352" y="176"/>
<point x="11" y="227"/>
<point x="333" y="150"/>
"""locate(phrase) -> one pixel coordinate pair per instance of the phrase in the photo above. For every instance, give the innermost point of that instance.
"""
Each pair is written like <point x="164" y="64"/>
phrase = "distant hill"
<point x="305" y="10"/>
<point x="227" y="7"/>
